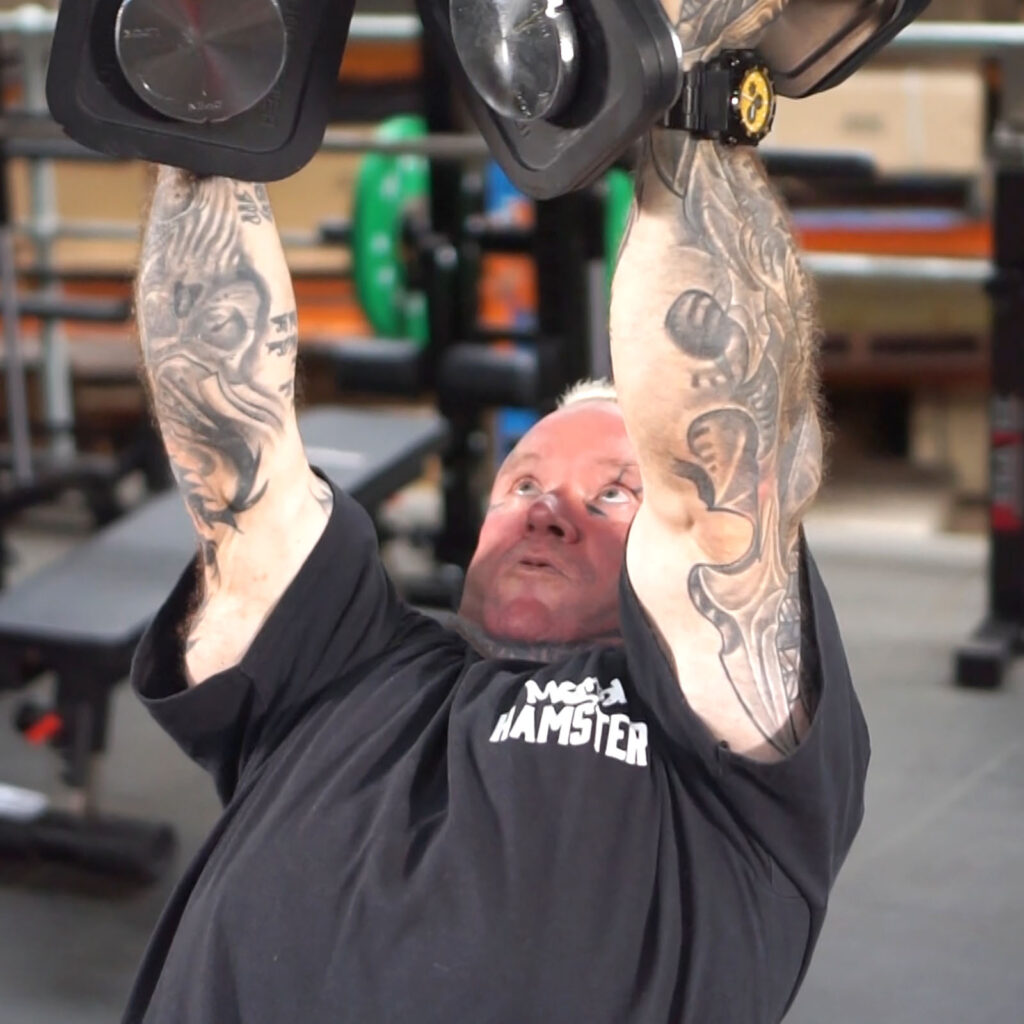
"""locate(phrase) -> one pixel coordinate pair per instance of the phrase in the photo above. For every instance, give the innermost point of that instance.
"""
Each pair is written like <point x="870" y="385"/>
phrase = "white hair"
<point x="599" y="390"/>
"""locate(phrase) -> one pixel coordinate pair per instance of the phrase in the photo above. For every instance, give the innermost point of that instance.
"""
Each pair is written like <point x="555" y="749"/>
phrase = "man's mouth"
<point x="539" y="565"/>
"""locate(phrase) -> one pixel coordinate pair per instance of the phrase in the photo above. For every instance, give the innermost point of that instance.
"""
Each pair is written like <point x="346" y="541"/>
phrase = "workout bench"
<point x="82" y="617"/>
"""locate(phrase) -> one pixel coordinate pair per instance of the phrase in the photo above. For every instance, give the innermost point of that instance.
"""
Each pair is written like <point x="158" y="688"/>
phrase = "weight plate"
<point x="521" y="55"/>
<point x="201" y="61"/>
<point x="386" y="186"/>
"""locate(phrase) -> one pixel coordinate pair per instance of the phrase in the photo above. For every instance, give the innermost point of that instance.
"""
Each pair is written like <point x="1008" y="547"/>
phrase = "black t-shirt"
<point x="413" y="833"/>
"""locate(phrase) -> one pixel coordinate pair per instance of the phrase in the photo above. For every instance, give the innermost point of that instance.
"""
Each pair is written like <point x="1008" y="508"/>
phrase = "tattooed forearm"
<point x="729" y="402"/>
<point x="219" y="351"/>
<point x="707" y="26"/>
<point x="253" y="204"/>
<point x="285" y="338"/>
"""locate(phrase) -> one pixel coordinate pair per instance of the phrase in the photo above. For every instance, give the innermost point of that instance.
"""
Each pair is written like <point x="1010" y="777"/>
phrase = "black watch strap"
<point x="730" y="98"/>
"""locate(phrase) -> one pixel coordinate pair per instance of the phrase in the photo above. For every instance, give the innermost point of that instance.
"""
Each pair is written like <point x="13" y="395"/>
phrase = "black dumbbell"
<point x="240" y="88"/>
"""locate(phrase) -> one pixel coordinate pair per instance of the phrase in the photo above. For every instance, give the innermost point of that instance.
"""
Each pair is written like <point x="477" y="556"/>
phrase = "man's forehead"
<point x="590" y="432"/>
<point x="523" y="456"/>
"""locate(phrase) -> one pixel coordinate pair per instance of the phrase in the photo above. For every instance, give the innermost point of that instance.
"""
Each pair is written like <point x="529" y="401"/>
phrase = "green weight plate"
<point x="386" y="185"/>
<point x="616" y="216"/>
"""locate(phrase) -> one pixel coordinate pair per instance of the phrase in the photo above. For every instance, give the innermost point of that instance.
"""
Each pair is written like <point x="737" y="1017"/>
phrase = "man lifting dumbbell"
<point x="622" y="787"/>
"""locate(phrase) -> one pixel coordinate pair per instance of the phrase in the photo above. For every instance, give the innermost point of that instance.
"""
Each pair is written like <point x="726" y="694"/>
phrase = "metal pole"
<point x="385" y="28"/>
<point x="128" y="231"/>
<point x="839" y="266"/>
<point x="28" y="20"/>
<point x="35" y="20"/>
<point x="953" y="36"/>
<point x="14" y="375"/>
<point x="14" y="367"/>
<point x="909" y="269"/>
<point x="436" y="145"/>
<point x="38" y="127"/>
<point x="57" y="389"/>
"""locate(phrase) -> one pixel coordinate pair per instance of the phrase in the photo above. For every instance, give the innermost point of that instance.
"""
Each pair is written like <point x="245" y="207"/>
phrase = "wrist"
<point x="729" y="99"/>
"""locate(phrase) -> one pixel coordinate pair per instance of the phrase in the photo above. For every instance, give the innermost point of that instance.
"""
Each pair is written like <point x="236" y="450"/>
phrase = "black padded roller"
<point x="478" y="376"/>
<point x="383" y="366"/>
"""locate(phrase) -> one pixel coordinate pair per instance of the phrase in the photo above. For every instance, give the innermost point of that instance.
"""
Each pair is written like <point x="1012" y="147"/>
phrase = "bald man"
<point x="620" y="786"/>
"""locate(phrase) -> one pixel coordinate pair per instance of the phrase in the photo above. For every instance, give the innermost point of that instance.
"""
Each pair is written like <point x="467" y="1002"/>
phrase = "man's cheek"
<point x="495" y="538"/>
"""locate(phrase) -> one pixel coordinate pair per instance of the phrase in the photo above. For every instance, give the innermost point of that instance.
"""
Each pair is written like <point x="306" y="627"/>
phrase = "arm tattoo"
<point x="707" y="26"/>
<point x="253" y="204"/>
<point x="208" y="330"/>
<point x="745" y="432"/>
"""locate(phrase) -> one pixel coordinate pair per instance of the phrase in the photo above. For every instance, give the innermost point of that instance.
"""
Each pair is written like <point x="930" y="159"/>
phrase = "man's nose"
<point x="547" y="514"/>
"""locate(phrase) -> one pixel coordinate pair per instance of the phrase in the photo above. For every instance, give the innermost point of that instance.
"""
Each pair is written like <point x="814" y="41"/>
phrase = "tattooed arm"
<point x="713" y="347"/>
<point x="217" y="322"/>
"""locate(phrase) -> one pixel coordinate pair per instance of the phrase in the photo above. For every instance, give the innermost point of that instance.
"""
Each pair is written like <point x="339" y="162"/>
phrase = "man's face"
<point x="546" y="568"/>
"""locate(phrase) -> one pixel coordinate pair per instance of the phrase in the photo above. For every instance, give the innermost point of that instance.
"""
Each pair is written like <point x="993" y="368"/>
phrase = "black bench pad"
<point x="96" y="601"/>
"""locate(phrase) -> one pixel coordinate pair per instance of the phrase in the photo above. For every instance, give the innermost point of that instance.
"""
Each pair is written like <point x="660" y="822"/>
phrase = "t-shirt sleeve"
<point x="804" y="810"/>
<point x="339" y="610"/>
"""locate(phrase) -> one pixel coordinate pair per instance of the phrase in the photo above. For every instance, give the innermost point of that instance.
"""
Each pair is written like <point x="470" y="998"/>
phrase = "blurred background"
<point x="434" y="294"/>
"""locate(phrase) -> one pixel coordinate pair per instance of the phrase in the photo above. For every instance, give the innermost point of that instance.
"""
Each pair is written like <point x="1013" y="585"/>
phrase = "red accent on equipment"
<point x="45" y="729"/>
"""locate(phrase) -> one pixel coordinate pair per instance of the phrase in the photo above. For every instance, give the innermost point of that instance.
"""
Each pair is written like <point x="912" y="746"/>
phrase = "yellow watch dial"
<point x="757" y="102"/>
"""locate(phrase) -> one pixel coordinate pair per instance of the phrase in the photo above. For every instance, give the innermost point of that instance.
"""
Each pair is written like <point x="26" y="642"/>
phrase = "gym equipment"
<point x="39" y="474"/>
<point x="815" y="45"/>
<point x="560" y="89"/>
<point x="984" y="658"/>
<point x="83" y="616"/>
<point x="236" y="87"/>
<point x="386" y="187"/>
<point x="56" y="377"/>
<point x="619" y="200"/>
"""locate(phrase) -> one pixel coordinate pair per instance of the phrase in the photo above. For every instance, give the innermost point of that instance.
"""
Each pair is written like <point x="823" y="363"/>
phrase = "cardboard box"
<point x="117" y="193"/>
<point x="909" y="121"/>
<point x="951" y="433"/>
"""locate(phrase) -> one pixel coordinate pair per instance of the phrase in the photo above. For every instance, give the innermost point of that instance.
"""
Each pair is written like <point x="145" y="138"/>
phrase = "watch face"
<point x="756" y="102"/>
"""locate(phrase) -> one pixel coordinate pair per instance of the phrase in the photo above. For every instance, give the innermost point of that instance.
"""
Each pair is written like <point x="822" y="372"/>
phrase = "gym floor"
<point x="928" y="915"/>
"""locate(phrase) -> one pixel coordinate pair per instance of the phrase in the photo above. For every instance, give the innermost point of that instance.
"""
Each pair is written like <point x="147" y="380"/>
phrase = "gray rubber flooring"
<point x="927" y="921"/>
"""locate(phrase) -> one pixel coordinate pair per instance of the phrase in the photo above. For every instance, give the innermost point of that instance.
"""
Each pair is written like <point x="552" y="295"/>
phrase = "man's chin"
<point x="526" y="620"/>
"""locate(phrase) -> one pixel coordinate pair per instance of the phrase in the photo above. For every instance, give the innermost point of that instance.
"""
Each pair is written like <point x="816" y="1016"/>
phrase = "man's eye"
<point x="526" y="488"/>
<point x="616" y="495"/>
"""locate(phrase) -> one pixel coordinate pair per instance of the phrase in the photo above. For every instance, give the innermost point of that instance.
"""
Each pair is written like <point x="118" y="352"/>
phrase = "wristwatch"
<point x="730" y="98"/>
